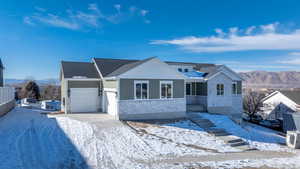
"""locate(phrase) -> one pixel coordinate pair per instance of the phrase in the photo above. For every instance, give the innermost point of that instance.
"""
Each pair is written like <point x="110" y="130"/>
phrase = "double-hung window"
<point x="141" y="89"/>
<point x="166" y="89"/>
<point x="220" y="89"/>
<point x="234" y="88"/>
<point x="188" y="88"/>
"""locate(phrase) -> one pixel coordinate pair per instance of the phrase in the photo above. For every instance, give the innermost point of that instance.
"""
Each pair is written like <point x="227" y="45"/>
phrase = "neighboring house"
<point x="148" y="89"/>
<point x="1" y="74"/>
<point x="280" y="102"/>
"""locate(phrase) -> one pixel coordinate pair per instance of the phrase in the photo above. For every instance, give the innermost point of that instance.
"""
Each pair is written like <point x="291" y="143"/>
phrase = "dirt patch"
<point x="153" y="123"/>
<point x="135" y="127"/>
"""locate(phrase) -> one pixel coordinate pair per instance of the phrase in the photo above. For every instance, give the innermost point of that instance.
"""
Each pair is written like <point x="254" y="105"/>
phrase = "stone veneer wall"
<point x="152" y="109"/>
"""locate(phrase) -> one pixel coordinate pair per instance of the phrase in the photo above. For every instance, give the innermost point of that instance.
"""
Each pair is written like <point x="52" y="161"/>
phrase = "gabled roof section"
<point x="1" y="64"/>
<point x="108" y="66"/>
<point x="79" y="69"/>
<point x="294" y="95"/>
<point x="127" y="67"/>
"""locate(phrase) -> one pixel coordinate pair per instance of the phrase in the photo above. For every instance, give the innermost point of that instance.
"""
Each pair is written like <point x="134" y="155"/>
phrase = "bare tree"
<point x="51" y="92"/>
<point x="252" y="103"/>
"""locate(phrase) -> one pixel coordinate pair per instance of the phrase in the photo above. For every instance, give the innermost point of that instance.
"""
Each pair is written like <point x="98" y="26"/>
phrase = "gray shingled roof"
<point x="127" y="67"/>
<point x="293" y="95"/>
<point x="115" y="67"/>
<point x="85" y="69"/>
<point x="107" y="66"/>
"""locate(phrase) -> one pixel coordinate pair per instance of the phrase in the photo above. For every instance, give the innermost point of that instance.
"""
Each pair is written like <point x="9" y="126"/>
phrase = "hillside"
<point x="264" y="79"/>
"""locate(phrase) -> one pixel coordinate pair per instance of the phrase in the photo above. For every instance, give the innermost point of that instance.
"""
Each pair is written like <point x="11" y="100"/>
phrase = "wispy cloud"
<point x="293" y="58"/>
<point x="92" y="17"/>
<point x="262" y="37"/>
<point x="27" y="20"/>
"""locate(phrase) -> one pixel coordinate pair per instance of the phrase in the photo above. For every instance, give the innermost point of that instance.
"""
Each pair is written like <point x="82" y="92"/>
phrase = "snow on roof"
<point x="194" y="74"/>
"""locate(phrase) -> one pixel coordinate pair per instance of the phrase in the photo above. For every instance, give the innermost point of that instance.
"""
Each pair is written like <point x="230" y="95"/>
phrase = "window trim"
<point x="222" y="93"/>
<point x="235" y="93"/>
<point x="166" y="82"/>
<point x="141" y="82"/>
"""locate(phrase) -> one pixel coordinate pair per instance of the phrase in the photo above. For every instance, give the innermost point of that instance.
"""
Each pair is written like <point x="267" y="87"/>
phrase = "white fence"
<point x="7" y="94"/>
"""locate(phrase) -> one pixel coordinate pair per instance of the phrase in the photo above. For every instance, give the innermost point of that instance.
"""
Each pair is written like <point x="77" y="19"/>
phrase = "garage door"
<point x="84" y="100"/>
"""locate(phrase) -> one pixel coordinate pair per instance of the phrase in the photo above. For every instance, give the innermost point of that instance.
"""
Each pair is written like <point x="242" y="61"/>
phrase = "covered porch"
<point x="196" y="95"/>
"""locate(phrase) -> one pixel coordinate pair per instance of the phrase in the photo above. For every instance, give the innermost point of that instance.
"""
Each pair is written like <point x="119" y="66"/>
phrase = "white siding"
<point x="7" y="94"/>
<point x="228" y="103"/>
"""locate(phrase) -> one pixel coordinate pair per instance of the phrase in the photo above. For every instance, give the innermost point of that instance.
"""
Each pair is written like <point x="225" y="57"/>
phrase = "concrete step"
<point x="221" y="134"/>
<point x="204" y="125"/>
<point x="215" y="130"/>
<point x="234" y="141"/>
<point x="204" y="121"/>
<point x="237" y="144"/>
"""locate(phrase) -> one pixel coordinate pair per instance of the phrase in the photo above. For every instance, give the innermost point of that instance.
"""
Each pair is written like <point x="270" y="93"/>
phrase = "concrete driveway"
<point x="101" y="120"/>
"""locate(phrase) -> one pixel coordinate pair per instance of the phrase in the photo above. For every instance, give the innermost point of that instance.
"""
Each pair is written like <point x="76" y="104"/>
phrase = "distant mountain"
<point x="264" y="79"/>
<point x="40" y="82"/>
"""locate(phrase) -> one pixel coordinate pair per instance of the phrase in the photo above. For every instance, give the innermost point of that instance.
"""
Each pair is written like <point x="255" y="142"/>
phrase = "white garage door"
<point x="84" y="100"/>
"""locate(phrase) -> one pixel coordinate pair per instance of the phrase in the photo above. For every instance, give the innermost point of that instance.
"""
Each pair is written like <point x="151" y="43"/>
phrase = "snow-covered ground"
<point x="29" y="140"/>
<point x="181" y="138"/>
<point x="257" y="136"/>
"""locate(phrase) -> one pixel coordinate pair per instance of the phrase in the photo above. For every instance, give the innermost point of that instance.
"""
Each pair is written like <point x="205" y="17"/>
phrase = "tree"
<point x="31" y="90"/>
<point x="252" y="103"/>
<point x="50" y="92"/>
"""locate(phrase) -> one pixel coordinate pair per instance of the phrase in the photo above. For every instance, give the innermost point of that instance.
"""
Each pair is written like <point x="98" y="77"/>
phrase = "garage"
<point x="84" y="100"/>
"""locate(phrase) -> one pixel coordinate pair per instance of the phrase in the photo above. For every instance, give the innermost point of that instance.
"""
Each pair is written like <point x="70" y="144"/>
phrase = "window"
<point x="186" y="70"/>
<point x="188" y="89"/>
<point x="220" y="89"/>
<point x="141" y="89"/>
<point x="166" y="89"/>
<point x="234" y="88"/>
<point x="179" y="70"/>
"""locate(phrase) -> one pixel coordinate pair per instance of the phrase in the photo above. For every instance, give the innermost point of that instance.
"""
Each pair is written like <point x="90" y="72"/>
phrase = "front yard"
<point x="35" y="141"/>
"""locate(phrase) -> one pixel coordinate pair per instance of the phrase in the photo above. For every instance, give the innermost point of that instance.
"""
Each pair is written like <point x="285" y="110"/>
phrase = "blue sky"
<point x="245" y="35"/>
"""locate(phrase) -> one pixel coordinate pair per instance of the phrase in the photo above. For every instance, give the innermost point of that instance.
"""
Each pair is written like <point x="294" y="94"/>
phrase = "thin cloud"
<point x="293" y="58"/>
<point x="56" y="21"/>
<point x="267" y="38"/>
<point x="92" y="17"/>
<point x="144" y="12"/>
<point x="28" y="20"/>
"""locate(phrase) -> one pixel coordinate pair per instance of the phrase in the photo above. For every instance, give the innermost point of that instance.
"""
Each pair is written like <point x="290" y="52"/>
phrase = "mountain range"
<point x="39" y="82"/>
<point x="264" y="79"/>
